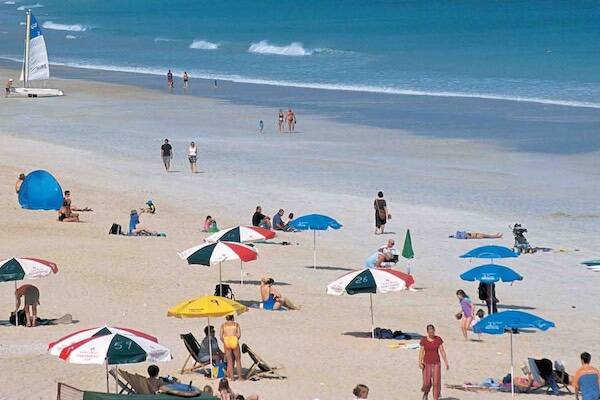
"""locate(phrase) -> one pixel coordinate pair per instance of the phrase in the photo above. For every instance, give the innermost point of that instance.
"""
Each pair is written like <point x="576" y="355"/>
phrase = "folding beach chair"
<point x="260" y="368"/>
<point x="124" y="387"/>
<point x="534" y="367"/>
<point x="193" y="348"/>
<point x="138" y="383"/>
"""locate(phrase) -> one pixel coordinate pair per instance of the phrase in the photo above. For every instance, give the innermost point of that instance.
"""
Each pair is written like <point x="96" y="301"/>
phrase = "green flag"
<point x="407" y="250"/>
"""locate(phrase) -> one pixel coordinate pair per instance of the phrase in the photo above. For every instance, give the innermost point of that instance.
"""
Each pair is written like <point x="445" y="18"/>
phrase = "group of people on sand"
<point x="171" y="80"/>
<point x="277" y="223"/>
<point x="286" y="119"/>
<point x="167" y="153"/>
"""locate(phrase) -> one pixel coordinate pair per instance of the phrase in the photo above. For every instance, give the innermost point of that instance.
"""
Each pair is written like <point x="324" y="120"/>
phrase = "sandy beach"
<point x="102" y="141"/>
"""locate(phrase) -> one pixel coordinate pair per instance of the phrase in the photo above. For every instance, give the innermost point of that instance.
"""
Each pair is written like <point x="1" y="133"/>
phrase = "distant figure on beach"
<point x="31" y="296"/>
<point x="226" y="393"/>
<point x="170" y="82"/>
<point x="432" y="347"/>
<point x="291" y="120"/>
<point x="261" y="126"/>
<point x="381" y="213"/>
<point x="360" y="392"/>
<point x="65" y="214"/>
<point x="204" y="352"/>
<point x="587" y="379"/>
<point x="166" y="151"/>
<point x="270" y="297"/>
<point x="390" y="254"/>
<point x="8" y="87"/>
<point x="215" y="82"/>
<point x="476" y="235"/>
<point x="278" y="224"/>
<point x="280" y="119"/>
<point x="193" y="157"/>
<point x="186" y="79"/>
<point x="266" y="223"/>
<point x="19" y="182"/>
<point x="487" y="293"/>
<point x="67" y="198"/>
<point x="230" y="337"/>
<point x="466" y="313"/>
<point x="150" y="208"/>
<point x="135" y="228"/>
<point x="258" y="216"/>
<point x="208" y="221"/>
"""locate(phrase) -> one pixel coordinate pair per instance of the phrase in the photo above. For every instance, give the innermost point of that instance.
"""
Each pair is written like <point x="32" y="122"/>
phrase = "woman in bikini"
<point x="291" y="120"/>
<point x="230" y="336"/>
<point x="280" y="121"/>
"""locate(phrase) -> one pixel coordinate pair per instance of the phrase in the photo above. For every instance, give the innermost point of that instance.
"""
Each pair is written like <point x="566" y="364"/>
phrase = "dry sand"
<point x="126" y="281"/>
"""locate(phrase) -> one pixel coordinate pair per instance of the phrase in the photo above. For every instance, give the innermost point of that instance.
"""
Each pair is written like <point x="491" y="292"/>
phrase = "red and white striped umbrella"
<point x="216" y="253"/>
<point x="16" y="269"/>
<point x="115" y="348"/>
<point x="57" y="346"/>
<point x="370" y="280"/>
<point x="241" y="234"/>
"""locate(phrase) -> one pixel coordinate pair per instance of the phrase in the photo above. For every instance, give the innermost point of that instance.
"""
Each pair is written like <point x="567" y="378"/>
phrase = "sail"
<point x="37" y="62"/>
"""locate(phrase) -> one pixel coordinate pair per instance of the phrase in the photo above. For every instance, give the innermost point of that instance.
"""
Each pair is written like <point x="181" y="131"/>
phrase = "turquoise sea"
<point x="547" y="51"/>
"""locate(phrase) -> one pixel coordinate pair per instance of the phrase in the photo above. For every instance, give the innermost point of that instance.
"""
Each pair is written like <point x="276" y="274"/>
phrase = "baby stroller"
<point x="521" y="244"/>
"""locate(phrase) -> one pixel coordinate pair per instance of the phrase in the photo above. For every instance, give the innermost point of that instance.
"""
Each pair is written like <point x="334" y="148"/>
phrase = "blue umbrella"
<point x="506" y="321"/>
<point x="491" y="273"/>
<point x="490" y="252"/>
<point x="315" y="222"/>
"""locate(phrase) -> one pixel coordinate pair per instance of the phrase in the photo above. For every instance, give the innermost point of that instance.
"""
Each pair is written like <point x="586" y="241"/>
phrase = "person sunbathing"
<point x="65" y="214"/>
<point x="475" y="235"/>
<point x="271" y="299"/>
<point x="67" y="198"/>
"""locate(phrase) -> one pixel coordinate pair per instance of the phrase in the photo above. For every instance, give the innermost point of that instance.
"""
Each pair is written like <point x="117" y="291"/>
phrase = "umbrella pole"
<point x="241" y="272"/>
<point x="512" y="367"/>
<point x="210" y="349"/>
<point x="116" y="378"/>
<point x="220" y="281"/>
<point x="106" y="364"/>
<point x="372" y="319"/>
<point x="314" y="249"/>
<point x="490" y="298"/>
<point x="16" y="308"/>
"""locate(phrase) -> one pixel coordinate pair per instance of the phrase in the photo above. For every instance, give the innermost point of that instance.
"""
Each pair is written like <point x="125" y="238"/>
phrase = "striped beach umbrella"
<point x="17" y="269"/>
<point x="241" y="234"/>
<point x="370" y="280"/>
<point x="56" y="347"/>
<point x="219" y="252"/>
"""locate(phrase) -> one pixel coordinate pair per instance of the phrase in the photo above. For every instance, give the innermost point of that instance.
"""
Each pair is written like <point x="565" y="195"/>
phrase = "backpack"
<point x="115" y="229"/>
<point x="224" y="290"/>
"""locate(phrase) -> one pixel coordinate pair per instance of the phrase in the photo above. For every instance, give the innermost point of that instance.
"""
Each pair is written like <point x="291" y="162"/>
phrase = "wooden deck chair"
<point x="124" y="387"/>
<point x="537" y="376"/>
<point x="138" y="383"/>
<point x="260" y="368"/>
<point x="193" y="348"/>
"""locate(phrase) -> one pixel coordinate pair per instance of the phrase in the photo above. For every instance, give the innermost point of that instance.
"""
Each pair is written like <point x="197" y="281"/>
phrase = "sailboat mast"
<point x="26" y="58"/>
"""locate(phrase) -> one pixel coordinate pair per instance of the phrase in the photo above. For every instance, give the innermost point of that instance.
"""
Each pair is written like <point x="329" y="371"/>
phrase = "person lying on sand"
<point x="65" y="214"/>
<point x="475" y="235"/>
<point x="271" y="299"/>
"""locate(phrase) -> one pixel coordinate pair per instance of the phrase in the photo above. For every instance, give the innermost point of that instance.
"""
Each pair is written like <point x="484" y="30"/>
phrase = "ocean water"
<point x="544" y="51"/>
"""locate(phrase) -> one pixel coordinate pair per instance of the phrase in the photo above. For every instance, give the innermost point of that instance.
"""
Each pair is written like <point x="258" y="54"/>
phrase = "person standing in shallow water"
<point x="186" y="79"/>
<point x="432" y="347"/>
<point x="382" y="213"/>
<point x="170" y="80"/>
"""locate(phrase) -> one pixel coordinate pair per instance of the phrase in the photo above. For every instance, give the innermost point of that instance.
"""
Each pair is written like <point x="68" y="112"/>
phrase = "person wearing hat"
<point x="151" y="209"/>
<point x="8" y="87"/>
<point x="135" y="228"/>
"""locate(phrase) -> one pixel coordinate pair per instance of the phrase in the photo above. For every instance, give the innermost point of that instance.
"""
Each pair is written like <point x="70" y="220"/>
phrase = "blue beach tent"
<point x="40" y="191"/>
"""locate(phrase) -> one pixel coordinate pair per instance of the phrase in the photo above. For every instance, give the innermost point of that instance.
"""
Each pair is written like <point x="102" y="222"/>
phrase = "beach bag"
<point x="224" y="290"/>
<point x="115" y="229"/>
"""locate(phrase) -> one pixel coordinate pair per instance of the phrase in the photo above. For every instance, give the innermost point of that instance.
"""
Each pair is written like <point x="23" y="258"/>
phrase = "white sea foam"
<point x="162" y="39"/>
<point x="328" y="86"/>
<point x="203" y="45"/>
<point x="28" y="6"/>
<point x="293" y="49"/>
<point x="64" y="27"/>
<point x="71" y="37"/>
<point x="9" y="2"/>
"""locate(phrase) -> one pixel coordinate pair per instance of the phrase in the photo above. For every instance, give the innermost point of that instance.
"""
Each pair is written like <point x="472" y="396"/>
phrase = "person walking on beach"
<point x="432" y="347"/>
<point x="280" y="121"/>
<point x="261" y="126"/>
<point x="8" y="87"/>
<point x="291" y="120"/>
<point x="192" y="157"/>
<point x="32" y="300"/>
<point x="166" y="151"/>
<point x="381" y="213"/>
<point x="466" y="314"/>
<point x="230" y="336"/>
<point x="186" y="79"/>
<point x="170" y="80"/>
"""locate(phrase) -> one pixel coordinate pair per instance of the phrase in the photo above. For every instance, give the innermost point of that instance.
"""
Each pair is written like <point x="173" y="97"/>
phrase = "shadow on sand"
<point x="328" y="268"/>
<point x="255" y="283"/>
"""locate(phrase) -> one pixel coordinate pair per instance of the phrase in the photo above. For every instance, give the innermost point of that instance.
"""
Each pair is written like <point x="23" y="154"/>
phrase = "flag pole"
<point x="512" y="367"/>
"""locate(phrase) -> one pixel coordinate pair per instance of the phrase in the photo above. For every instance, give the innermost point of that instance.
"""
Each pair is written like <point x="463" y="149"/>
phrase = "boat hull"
<point x="35" y="92"/>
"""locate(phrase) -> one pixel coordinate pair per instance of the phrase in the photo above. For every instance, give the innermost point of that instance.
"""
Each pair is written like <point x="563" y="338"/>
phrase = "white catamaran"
<point x="35" y="62"/>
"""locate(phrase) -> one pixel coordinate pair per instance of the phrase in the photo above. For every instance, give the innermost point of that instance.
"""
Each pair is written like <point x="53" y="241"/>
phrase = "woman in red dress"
<point x="432" y="347"/>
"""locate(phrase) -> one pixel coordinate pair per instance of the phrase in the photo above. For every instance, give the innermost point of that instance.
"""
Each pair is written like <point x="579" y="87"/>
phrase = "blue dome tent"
<point x="40" y="191"/>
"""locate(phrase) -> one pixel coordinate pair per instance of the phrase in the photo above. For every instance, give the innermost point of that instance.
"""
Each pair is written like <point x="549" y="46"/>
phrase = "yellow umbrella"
<point x="206" y="307"/>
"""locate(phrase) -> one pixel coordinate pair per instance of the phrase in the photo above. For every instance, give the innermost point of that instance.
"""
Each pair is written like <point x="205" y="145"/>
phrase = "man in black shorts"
<point x="166" y="150"/>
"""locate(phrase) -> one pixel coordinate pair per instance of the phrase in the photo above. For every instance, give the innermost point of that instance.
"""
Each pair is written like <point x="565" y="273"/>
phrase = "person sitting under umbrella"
<point x="32" y="300"/>
<point x="271" y="298"/>
<point x="204" y="352"/>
